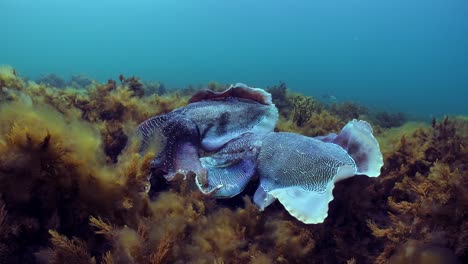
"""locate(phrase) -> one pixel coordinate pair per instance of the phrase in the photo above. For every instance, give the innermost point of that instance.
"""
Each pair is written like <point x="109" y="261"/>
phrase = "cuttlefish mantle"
<point x="226" y="138"/>
<point x="301" y="172"/>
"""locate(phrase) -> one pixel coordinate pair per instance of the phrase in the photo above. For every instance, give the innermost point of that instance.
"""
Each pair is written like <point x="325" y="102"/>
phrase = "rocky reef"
<point x="73" y="188"/>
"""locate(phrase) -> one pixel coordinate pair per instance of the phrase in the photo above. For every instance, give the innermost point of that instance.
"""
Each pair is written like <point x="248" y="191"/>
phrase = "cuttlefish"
<point x="225" y="139"/>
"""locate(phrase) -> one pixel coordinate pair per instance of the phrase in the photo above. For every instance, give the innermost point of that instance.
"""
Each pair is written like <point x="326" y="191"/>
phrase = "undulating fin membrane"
<point x="238" y="90"/>
<point x="300" y="172"/>
<point x="310" y="207"/>
<point x="357" y="139"/>
<point x="231" y="168"/>
<point x="262" y="198"/>
<point x="328" y="138"/>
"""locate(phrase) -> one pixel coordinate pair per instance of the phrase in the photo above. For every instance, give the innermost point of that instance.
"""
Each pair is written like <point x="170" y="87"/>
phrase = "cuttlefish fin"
<point x="238" y="90"/>
<point x="357" y="139"/>
<point x="308" y="206"/>
<point x="262" y="198"/>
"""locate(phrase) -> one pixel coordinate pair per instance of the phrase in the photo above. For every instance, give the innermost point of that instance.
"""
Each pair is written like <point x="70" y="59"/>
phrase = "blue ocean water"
<point x="398" y="55"/>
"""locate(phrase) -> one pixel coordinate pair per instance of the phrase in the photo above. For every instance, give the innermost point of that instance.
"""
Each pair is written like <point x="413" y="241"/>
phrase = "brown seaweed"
<point x="73" y="187"/>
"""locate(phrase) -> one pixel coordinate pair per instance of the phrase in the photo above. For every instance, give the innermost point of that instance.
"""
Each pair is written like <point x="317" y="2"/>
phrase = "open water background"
<point x="398" y="55"/>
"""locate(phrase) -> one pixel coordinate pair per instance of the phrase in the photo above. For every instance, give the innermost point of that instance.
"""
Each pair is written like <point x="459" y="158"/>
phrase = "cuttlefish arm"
<point x="231" y="168"/>
<point x="178" y="140"/>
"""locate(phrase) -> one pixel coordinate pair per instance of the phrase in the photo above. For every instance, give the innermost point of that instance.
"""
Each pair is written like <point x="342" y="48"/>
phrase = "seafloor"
<point x="73" y="188"/>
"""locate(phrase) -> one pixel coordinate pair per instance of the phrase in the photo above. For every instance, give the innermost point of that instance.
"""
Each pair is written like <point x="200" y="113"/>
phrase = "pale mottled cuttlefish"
<point x="226" y="138"/>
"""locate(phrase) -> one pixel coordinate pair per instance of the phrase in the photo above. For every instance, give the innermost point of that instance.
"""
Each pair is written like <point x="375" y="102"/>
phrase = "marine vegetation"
<point x="52" y="80"/>
<point x="348" y="110"/>
<point x="80" y="81"/>
<point x="388" y="120"/>
<point x="303" y="114"/>
<point x="427" y="198"/>
<point x="74" y="187"/>
<point x="279" y="95"/>
<point x="154" y="88"/>
<point x="134" y="84"/>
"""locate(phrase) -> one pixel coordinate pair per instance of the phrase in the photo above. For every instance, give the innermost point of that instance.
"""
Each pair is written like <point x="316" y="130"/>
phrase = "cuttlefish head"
<point x="207" y="124"/>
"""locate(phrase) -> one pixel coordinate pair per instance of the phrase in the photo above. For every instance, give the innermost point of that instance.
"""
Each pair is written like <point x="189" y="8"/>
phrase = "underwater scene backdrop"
<point x="78" y="77"/>
<point x="399" y="55"/>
